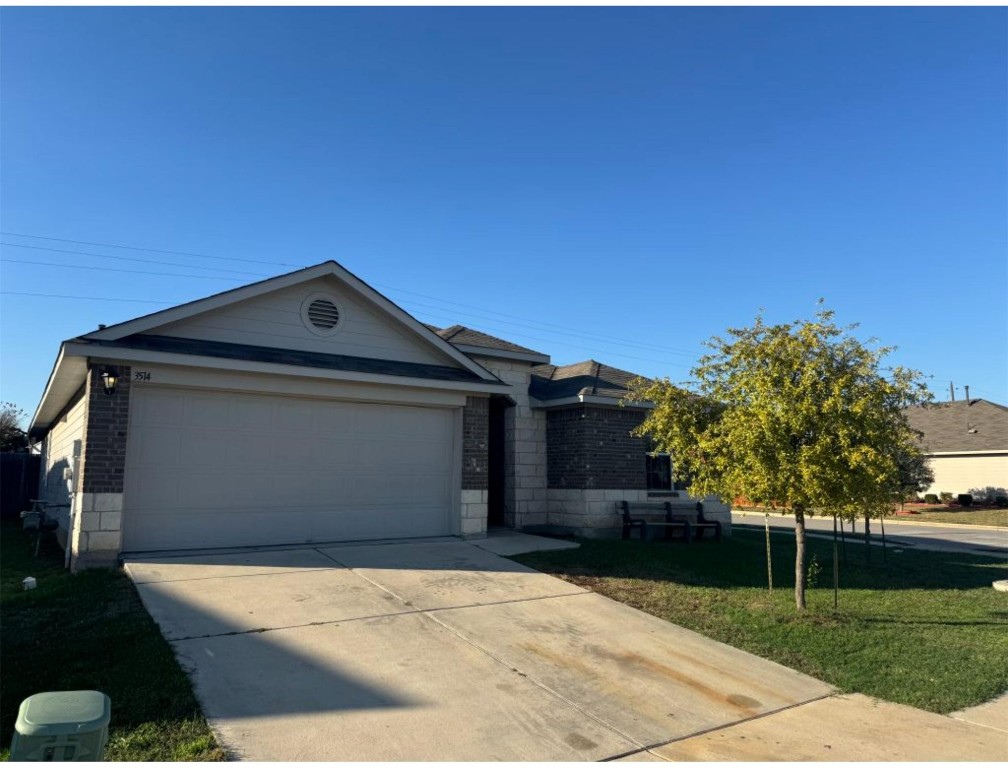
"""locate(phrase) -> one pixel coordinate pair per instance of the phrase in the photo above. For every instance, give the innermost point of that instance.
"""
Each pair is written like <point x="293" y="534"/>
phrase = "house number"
<point x="141" y="376"/>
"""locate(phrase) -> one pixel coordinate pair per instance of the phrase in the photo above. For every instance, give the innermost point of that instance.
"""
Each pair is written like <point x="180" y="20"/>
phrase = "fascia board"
<point x="502" y="354"/>
<point x="126" y="355"/>
<point x="68" y="373"/>
<point x="988" y="452"/>
<point x="562" y="402"/>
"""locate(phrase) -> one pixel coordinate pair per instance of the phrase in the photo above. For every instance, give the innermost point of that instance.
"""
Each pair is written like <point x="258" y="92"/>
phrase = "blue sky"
<point x="610" y="183"/>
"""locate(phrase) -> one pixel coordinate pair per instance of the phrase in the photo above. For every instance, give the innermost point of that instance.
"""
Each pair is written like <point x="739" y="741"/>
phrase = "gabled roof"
<point x="961" y="426"/>
<point x="476" y="342"/>
<point x="129" y="339"/>
<point x="588" y="378"/>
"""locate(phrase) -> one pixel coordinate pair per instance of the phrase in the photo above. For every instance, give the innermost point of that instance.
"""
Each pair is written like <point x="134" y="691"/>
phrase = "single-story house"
<point x="966" y="442"/>
<point x="310" y="408"/>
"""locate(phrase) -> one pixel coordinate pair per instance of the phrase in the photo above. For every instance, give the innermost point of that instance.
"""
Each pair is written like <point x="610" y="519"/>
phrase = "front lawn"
<point x="957" y="516"/>
<point x="926" y="629"/>
<point x="90" y="631"/>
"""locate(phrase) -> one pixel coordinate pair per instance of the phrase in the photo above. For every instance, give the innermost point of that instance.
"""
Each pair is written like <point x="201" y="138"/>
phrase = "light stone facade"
<point x="525" y="496"/>
<point x="474" y="513"/>
<point x="97" y="531"/>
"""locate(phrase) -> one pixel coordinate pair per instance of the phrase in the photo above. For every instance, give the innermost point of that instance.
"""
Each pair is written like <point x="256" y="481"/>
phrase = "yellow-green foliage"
<point x="799" y="416"/>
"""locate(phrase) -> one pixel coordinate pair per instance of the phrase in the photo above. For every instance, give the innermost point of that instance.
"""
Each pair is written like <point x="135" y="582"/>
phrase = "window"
<point x="659" y="472"/>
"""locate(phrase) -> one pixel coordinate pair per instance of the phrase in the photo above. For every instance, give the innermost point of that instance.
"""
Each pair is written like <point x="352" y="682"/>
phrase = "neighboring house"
<point x="966" y="442"/>
<point x="309" y="408"/>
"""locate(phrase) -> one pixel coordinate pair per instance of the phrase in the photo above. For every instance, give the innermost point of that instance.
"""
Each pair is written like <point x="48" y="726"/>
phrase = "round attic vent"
<point x="321" y="315"/>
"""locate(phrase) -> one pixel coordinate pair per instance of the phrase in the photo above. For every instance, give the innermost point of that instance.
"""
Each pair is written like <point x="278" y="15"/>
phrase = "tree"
<point x="12" y="436"/>
<point x="914" y="474"/>
<point x="796" y="416"/>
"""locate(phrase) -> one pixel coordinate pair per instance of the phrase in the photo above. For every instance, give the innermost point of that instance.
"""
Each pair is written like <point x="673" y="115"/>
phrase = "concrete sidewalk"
<point x="844" y="728"/>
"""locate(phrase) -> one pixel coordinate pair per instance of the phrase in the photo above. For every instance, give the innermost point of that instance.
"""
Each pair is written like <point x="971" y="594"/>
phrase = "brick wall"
<point x="475" y="443"/>
<point x="591" y="447"/>
<point x="104" y="458"/>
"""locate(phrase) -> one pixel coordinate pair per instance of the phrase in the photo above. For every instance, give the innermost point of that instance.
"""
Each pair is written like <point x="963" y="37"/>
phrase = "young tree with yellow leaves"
<point x="795" y="416"/>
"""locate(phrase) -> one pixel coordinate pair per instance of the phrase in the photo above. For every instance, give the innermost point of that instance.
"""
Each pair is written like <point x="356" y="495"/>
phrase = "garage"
<point x="220" y="469"/>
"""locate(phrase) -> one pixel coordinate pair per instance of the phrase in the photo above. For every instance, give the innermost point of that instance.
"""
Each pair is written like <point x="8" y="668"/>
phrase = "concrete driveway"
<point x="438" y="650"/>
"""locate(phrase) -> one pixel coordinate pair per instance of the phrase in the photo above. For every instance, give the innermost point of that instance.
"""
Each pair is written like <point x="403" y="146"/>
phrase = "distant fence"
<point x="19" y="479"/>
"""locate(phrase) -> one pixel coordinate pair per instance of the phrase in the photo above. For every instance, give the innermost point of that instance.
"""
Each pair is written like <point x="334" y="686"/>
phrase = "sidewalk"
<point x="851" y="727"/>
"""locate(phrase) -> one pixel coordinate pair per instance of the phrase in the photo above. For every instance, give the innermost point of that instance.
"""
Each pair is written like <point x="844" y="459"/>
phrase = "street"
<point x="969" y="539"/>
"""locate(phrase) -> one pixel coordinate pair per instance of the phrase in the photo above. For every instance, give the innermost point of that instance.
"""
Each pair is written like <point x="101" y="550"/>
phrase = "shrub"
<point x="930" y="498"/>
<point x="946" y="497"/>
<point x="988" y="495"/>
<point x="1001" y="501"/>
<point x="965" y="499"/>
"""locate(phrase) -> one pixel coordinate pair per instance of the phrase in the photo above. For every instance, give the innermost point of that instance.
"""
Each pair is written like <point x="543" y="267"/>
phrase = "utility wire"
<point x="132" y="258"/>
<point x="151" y="250"/>
<point x="538" y="324"/>
<point x="111" y="269"/>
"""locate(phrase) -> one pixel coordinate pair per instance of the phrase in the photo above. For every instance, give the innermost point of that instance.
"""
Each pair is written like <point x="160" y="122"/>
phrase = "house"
<point x="966" y="442"/>
<point x="310" y="408"/>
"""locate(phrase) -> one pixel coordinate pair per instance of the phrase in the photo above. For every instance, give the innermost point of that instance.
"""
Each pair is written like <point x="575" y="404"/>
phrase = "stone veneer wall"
<point x="97" y="532"/>
<point x="525" y="496"/>
<point x="475" y="465"/>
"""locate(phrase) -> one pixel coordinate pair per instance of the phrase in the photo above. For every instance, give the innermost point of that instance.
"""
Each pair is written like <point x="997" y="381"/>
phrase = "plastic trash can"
<point x="62" y="726"/>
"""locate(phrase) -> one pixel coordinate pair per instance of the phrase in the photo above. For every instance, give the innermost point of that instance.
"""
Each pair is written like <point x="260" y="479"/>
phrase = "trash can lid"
<point x="57" y="713"/>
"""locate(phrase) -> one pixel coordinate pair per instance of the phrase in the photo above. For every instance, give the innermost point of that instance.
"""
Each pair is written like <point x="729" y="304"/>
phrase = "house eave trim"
<point x="503" y="354"/>
<point x="127" y="355"/>
<point x="611" y="402"/>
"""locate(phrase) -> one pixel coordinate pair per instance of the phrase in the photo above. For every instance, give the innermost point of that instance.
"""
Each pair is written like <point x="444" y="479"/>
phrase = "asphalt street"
<point x="971" y="539"/>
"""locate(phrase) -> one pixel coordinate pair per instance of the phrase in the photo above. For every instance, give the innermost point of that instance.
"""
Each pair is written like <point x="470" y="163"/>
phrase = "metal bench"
<point x="678" y="515"/>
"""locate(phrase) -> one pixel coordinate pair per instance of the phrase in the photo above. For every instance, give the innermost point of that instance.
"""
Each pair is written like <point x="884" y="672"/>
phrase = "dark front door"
<point x="496" y="450"/>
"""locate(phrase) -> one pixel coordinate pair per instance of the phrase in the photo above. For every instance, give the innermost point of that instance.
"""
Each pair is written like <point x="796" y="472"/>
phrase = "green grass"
<point x="958" y="516"/>
<point x="925" y="629"/>
<point x="90" y="631"/>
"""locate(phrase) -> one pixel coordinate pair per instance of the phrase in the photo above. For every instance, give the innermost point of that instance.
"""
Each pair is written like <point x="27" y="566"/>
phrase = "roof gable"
<point x="269" y="314"/>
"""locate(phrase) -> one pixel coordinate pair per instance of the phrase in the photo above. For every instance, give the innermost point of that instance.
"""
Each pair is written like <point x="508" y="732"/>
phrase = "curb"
<point x="959" y="526"/>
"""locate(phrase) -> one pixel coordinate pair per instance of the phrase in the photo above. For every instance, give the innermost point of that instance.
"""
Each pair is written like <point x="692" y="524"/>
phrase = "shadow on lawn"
<point x="740" y="562"/>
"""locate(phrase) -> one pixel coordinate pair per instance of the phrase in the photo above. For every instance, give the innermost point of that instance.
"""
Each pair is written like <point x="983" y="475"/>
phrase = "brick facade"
<point x="104" y="459"/>
<point x="591" y="447"/>
<point x="475" y="444"/>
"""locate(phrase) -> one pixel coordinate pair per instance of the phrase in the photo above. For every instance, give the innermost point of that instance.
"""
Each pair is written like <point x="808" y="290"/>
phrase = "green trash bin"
<point x="62" y="726"/>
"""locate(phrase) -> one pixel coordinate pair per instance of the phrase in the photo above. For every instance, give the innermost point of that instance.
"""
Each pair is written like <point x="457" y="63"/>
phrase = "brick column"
<point x="97" y="534"/>
<point x="475" y="465"/>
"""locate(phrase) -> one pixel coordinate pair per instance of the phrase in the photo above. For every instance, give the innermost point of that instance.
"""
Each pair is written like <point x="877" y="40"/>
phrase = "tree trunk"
<point x="867" y="536"/>
<point x="799" y="584"/>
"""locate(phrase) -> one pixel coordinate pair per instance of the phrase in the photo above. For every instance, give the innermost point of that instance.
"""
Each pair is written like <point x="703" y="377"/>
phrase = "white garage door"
<point x="220" y="469"/>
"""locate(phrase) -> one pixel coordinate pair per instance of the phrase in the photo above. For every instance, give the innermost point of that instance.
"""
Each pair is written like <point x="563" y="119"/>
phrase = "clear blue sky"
<point x="616" y="184"/>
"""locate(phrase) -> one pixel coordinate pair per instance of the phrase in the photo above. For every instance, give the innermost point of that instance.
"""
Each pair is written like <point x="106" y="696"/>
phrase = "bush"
<point x="930" y="498"/>
<point x="965" y="499"/>
<point x="988" y="495"/>
<point x="946" y="497"/>
<point x="1001" y="501"/>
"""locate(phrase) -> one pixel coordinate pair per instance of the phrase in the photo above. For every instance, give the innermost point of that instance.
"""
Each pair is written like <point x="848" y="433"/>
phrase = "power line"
<point x="537" y="324"/>
<point x="131" y="258"/>
<point x="84" y="298"/>
<point x="151" y="250"/>
<point x="112" y="269"/>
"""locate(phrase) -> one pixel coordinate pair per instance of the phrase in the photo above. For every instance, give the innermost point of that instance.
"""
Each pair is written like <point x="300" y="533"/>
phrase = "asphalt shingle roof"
<point x="979" y="425"/>
<point x="552" y="382"/>
<point x="222" y="349"/>
<point x="460" y="335"/>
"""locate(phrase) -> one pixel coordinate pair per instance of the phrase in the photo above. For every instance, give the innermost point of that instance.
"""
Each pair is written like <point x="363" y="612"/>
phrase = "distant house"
<point x="310" y="408"/>
<point x="967" y="443"/>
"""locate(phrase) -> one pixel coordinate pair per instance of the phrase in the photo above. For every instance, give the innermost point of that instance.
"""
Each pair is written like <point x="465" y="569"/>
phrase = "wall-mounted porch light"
<point x="109" y="380"/>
